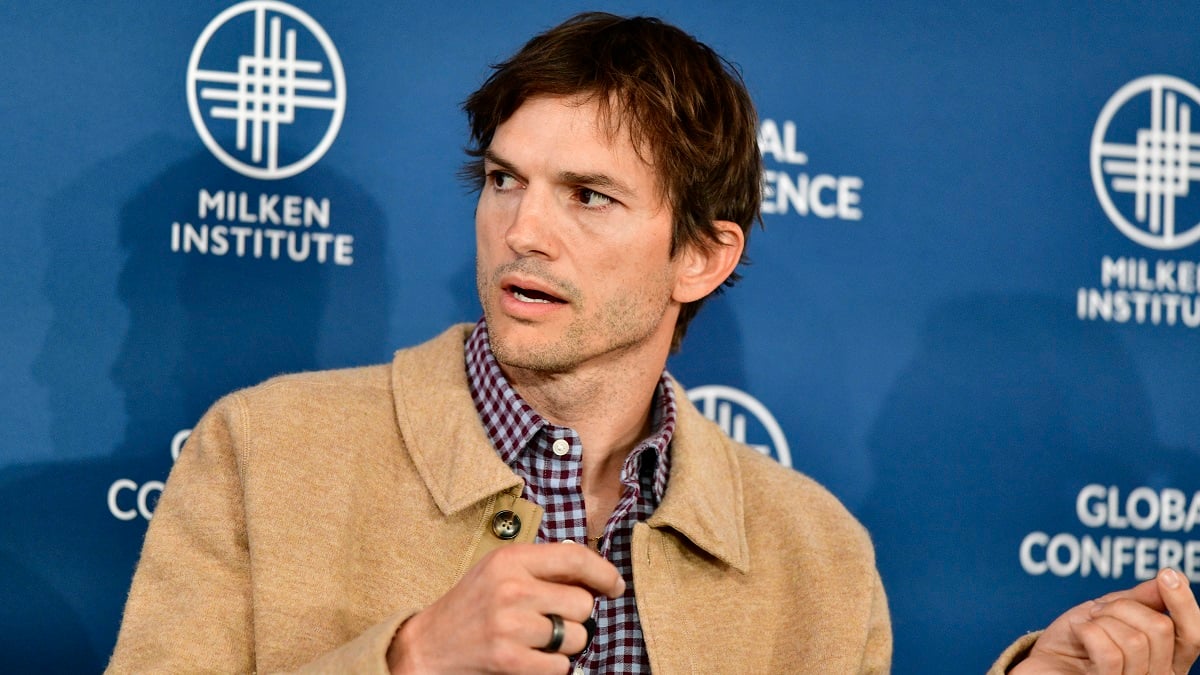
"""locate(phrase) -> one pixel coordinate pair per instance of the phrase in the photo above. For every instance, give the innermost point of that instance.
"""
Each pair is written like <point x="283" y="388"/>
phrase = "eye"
<point x="592" y="199"/>
<point x="502" y="180"/>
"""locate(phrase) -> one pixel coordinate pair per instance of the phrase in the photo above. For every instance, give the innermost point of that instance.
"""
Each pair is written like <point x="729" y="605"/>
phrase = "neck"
<point x="608" y="405"/>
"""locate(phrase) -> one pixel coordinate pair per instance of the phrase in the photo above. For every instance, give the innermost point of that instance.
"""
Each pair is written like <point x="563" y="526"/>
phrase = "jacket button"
<point x="506" y="525"/>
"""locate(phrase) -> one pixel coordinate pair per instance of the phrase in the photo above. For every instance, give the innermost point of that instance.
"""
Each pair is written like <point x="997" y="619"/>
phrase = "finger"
<point x="1104" y="654"/>
<point x="537" y="631"/>
<point x="542" y="663"/>
<point x="530" y="594"/>
<point x="1133" y="644"/>
<point x="577" y="565"/>
<point x="1141" y="632"/>
<point x="1147" y="593"/>
<point x="574" y="637"/>
<point x="1181" y="603"/>
<point x="567" y="601"/>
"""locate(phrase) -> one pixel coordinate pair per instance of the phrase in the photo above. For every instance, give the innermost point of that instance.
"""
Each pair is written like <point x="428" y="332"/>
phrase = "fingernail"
<point x="1097" y="606"/>
<point x="1171" y="578"/>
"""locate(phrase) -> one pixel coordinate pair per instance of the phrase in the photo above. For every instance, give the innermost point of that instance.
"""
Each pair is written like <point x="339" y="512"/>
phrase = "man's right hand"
<point x="495" y="619"/>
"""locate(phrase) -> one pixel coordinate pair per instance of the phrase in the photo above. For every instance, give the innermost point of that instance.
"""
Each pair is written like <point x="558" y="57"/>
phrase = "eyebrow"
<point x="599" y="181"/>
<point x="489" y="156"/>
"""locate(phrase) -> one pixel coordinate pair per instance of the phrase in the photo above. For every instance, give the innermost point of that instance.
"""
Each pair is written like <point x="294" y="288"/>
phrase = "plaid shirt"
<point x="550" y="460"/>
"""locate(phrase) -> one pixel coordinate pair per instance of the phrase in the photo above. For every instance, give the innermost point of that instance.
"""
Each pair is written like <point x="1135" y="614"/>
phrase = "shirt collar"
<point x="439" y="429"/>
<point x="512" y="424"/>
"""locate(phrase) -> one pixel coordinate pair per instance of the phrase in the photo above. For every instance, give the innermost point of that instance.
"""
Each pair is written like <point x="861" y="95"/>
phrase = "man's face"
<point x="573" y="243"/>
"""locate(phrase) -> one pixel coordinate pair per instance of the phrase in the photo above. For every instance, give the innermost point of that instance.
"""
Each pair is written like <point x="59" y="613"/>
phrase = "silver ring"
<point x="557" y="633"/>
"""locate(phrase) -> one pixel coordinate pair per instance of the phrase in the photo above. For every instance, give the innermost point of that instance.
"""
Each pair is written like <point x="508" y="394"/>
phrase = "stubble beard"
<point x="621" y="324"/>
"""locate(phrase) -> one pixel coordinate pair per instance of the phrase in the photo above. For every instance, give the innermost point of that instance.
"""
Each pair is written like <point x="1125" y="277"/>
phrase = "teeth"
<point x="525" y="298"/>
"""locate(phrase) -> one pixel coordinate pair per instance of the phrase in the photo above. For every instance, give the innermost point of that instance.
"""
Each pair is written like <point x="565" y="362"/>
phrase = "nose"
<point x="531" y="231"/>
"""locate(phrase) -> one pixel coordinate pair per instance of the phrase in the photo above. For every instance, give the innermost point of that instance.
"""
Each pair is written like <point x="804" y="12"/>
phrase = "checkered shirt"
<point x="524" y="440"/>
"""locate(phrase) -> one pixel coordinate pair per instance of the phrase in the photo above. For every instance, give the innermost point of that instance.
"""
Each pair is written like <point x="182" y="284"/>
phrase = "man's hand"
<point x="494" y="620"/>
<point x="1152" y="628"/>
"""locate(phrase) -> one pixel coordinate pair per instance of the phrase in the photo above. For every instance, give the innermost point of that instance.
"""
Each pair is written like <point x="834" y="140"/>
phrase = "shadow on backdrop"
<point x="1009" y="407"/>
<point x="463" y="290"/>
<point x="199" y="326"/>
<point x="712" y="351"/>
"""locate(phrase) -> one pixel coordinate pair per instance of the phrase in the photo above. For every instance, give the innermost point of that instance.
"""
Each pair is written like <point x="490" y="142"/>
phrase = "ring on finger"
<point x="557" y="633"/>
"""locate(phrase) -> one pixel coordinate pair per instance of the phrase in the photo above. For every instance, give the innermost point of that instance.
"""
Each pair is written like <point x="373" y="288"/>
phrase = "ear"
<point x="703" y="268"/>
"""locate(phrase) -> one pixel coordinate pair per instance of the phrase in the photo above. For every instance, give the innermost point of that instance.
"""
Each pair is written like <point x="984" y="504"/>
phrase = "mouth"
<point x="533" y="295"/>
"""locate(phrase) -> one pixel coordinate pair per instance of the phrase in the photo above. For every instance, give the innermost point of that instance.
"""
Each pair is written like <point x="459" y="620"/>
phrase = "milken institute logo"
<point x="720" y="404"/>
<point x="1156" y="169"/>
<point x="292" y="80"/>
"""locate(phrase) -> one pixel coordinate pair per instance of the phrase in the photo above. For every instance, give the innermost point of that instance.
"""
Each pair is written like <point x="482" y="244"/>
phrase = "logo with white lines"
<point x="743" y="419"/>
<point x="1144" y="159"/>
<point x="265" y="89"/>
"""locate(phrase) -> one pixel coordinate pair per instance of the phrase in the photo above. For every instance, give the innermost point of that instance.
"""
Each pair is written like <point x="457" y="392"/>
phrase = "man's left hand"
<point x="1152" y="628"/>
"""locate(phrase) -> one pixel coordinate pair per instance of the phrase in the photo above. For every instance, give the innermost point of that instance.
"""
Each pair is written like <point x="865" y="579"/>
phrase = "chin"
<point x="536" y="360"/>
<point x="527" y="348"/>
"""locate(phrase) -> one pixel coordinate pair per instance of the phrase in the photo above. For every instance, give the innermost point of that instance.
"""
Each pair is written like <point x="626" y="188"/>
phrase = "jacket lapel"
<point x="440" y="427"/>
<point x="693" y="544"/>
<point x="703" y="501"/>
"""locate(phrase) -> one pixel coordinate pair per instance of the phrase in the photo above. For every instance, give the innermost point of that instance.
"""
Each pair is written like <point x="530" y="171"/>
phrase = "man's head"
<point x="685" y="109"/>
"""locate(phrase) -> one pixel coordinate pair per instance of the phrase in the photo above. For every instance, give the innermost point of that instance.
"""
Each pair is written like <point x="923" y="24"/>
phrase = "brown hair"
<point x="680" y="100"/>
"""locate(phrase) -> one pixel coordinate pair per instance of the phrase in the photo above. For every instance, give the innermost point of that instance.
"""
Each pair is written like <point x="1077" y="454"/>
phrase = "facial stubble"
<point x="622" y="322"/>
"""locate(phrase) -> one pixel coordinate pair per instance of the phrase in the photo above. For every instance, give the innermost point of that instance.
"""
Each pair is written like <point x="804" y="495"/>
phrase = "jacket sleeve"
<point x="190" y="608"/>
<point x="1015" y="653"/>
<point x="877" y="657"/>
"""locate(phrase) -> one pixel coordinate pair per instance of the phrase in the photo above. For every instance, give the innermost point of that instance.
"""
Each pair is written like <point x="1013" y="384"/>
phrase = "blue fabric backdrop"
<point x="943" y="323"/>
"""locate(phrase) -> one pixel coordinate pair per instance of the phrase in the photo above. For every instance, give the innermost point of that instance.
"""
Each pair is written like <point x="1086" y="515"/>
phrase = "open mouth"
<point x="532" y="295"/>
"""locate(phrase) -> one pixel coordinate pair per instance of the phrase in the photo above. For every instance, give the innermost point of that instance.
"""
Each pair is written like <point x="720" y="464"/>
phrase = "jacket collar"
<point x="704" y="496"/>
<point x="450" y="449"/>
<point x="440" y="427"/>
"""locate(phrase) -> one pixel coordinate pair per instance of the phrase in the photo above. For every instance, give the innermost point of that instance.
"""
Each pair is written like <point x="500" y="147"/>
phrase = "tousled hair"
<point x="680" y="101"/>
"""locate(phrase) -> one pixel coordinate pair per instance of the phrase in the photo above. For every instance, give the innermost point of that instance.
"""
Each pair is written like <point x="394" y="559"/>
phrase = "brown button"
<point x="506" y="525"/>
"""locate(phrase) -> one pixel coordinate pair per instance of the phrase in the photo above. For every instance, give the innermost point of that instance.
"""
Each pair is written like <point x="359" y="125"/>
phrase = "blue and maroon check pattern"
<point x="524" y="440"/>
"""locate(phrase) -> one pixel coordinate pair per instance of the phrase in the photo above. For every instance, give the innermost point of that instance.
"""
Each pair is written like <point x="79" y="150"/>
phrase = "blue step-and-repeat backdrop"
<point x="972" y="311"/>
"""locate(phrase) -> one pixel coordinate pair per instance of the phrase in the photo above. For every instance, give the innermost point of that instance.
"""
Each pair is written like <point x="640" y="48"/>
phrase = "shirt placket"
<point x="612" y="544"/>
<point x="557" y="472"/>
<point x="553" y="479"/>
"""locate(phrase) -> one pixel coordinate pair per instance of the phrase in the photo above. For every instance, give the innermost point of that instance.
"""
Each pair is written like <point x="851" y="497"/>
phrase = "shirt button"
<point x="561" y="447"/>
<point x="578" y="670"/>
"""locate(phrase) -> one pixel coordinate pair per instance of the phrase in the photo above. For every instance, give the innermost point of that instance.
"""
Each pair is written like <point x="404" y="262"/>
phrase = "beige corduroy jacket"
<point x="308" y="517"/>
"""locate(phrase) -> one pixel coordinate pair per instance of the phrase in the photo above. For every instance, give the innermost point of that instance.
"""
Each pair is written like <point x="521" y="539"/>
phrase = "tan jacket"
<point x="307" y="517"/>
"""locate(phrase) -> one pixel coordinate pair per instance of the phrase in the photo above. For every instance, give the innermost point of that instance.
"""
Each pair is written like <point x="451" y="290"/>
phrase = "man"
<point x="531" y="495"/>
